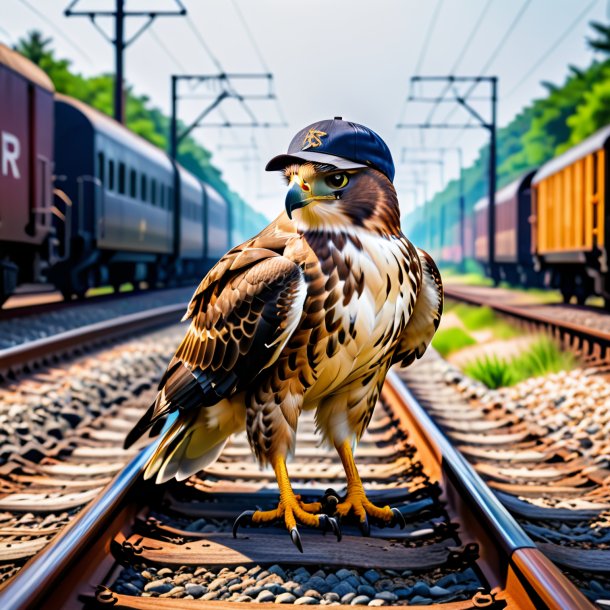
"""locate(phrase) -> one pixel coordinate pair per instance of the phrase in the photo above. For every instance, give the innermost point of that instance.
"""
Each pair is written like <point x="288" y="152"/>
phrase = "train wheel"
<point x="66" y="293"/>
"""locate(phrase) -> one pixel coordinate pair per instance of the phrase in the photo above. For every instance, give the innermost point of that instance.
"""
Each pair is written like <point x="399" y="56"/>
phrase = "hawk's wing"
<point x="426" y="314"/>
<point x="242" y="315"/>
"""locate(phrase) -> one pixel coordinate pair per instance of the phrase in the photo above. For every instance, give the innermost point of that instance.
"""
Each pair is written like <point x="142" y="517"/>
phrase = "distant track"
<point x="572" y="325"/>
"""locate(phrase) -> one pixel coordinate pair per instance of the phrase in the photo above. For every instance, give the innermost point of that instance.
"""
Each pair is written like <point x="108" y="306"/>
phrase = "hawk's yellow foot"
<point x="290" y="509"/>
<point x="356" y="501"/>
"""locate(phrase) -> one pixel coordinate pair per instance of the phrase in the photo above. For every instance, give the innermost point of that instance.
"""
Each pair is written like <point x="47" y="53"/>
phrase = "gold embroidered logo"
<point x="313" y="139"/>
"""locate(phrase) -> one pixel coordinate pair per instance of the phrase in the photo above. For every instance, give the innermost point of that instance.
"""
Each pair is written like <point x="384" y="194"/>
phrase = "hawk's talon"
<point x="244" y="519"/>
<point x="330" y="524"/>
<point x="398" y="519"/>
<point x="365" y="527"/>
<point x="296" y="538"/>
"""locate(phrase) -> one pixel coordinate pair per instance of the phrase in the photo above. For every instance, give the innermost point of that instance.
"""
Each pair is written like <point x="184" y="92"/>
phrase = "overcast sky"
<point x="352" y="58"/>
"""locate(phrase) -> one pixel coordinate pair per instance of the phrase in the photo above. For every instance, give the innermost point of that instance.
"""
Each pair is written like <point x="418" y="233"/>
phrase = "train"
<point x="551" y="226"/>
<point x="85" y="202"/>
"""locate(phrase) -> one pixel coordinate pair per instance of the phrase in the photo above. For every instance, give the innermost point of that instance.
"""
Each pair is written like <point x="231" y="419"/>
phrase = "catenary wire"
<point x="57" y="30"/>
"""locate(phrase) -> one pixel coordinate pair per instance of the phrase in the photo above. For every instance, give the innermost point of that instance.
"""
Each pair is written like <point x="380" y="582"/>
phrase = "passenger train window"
<point x="170" y="199"/>
<point x="121" y="178"/>
<point x="111" y="175"/>
<point x="153" y="191"/>
<point x="143" y="196"/>
<point x="100" y="166"/>
<point x="162" y="195"/>
<point x="133" y="187"/>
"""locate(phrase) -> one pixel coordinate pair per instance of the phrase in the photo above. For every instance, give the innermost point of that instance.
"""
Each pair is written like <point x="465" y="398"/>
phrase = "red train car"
<point x="26" y="157"/>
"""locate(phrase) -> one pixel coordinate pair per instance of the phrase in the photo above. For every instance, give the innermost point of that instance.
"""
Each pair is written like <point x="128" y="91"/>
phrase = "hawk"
<point x="308" y="314"/>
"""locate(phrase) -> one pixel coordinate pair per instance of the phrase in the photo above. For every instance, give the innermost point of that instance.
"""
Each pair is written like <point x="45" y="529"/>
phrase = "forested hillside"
<point x="566" y="115"/>
<point x="141" y="117"/>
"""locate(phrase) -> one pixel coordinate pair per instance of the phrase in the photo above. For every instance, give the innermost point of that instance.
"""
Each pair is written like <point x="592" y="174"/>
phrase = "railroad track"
<point x="459" y="550"/>
<point x="30" y="355"/>
<point x="584" y="330"/>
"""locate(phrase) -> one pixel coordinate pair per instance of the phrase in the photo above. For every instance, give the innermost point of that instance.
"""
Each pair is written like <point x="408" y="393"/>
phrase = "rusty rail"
<point x="15" y="358"/>
<point x="588" y="341"/>
<point x="519" y="574"/>
<point x="528" y="577"/>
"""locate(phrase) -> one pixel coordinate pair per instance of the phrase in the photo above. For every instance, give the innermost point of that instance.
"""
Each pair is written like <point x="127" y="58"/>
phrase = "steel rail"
<point x="21" y="311"/>
<point x="42" y="576"/>
<point x="15" y="358"/>
<point x="515" y="568"/>
<point x="524" y="314"/>
<point x="530" y="578"/>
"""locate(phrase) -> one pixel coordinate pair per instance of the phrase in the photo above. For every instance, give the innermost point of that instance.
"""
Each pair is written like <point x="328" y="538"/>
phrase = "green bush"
<point x="542" y="357"/>
<point x="492" y="371"/>
<point x="474" y="317"/>
<point x="450" y="340"/>
<point x="484" y="318"/>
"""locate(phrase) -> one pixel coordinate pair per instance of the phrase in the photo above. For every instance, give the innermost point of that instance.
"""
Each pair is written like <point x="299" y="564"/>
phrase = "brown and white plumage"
<point x="309" y="314"/>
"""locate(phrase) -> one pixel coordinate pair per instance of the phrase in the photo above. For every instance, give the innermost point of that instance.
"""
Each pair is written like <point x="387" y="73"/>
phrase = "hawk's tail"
<point x="195" y="441"/>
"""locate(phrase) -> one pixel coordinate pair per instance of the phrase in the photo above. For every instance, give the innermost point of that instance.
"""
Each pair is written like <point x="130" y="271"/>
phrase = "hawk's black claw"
<point x="244" y="519"/>
<point x="296" y="538"/>
<point x="398" y="519"/>
<point x="365" y="528"/>
<point x="330" y="523"/>
<point x="329" y="501"/>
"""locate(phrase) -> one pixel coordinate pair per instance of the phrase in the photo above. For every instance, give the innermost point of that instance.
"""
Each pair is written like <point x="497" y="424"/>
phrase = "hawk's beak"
<point x="298" y="196"/>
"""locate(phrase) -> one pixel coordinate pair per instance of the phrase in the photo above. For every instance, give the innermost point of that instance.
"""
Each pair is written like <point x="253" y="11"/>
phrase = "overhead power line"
<point x="120" y="41"/>
<point x="431" y="26"/>
<point x="509" y="31"/>
<point x="57" y="30"/>
<point x="160" y="42"/>
<point x="259" y="54"/>
<point x="203" y="44"/>
<point x="550" y="50"/>
<point x="470" y="37"/>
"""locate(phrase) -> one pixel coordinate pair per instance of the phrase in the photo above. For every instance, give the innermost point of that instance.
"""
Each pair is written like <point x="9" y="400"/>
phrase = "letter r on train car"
<point x="10" y="149"/>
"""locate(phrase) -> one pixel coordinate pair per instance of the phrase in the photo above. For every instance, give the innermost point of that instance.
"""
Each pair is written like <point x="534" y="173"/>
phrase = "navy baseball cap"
<point x="340" y="143"/>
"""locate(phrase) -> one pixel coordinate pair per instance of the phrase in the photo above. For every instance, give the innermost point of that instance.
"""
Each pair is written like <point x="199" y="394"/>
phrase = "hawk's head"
<point x="340" y="176"/>
<point x="321" y="196"/>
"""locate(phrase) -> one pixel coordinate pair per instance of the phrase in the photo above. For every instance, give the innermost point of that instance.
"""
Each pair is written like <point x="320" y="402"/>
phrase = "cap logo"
<point x="313" y="139"/>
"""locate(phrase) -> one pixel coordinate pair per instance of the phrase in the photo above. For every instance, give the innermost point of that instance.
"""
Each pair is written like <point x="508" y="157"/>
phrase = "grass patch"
<point x="477" y="318"/>
<point x="450" y="340"/>
<point x="492" y="371"/>
<point x="468" y="279"/>
<point x="543" y="357"/>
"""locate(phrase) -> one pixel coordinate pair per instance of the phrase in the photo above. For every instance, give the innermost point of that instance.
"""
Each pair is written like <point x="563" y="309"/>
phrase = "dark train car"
<point x="218" y="224"/>
<point x="123" y="199"/>
<point x="451" y="251"/>
<point x="26" y="167"/>
<point x="189" y="230"/>
<point x="513" y="259"/>
<point x="570" y="229"/>
<point x="481" y="231"/>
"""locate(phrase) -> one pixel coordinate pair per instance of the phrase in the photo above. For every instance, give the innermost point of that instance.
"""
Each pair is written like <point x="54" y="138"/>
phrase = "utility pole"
<point x="119" y="41"/>
<point x="223" y="89"/>
<point x="451" y="93"/>
<point x="226" y="89"/>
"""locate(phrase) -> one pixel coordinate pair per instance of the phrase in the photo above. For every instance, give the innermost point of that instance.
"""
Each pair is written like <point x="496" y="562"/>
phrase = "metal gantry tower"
<point x="120" y="14"/>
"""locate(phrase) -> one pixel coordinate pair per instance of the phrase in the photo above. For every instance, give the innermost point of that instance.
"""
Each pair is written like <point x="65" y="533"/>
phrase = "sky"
<point x="349" y="58"/>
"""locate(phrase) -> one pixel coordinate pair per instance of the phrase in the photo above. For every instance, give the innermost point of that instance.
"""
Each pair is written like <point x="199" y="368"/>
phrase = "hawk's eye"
<point x="337" y="181"/>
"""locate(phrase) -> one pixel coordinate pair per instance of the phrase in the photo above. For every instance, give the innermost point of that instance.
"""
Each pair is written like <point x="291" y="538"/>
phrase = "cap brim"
<point x="283" y="161"/>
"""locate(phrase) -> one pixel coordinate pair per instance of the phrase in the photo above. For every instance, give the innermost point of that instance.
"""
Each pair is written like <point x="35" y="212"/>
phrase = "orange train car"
<point x="569" y="228"/>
